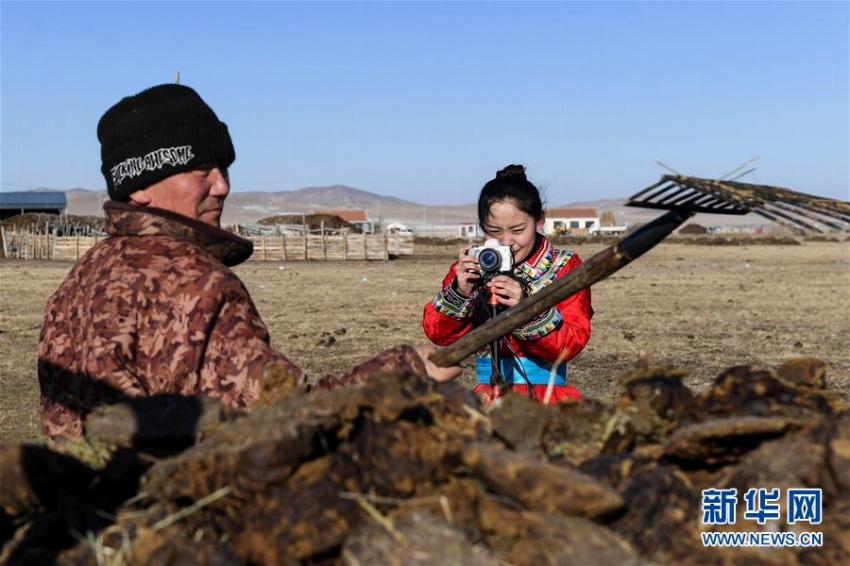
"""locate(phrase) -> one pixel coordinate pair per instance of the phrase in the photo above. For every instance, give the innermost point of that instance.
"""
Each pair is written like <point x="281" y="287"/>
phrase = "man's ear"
<point x="140" y="198"/>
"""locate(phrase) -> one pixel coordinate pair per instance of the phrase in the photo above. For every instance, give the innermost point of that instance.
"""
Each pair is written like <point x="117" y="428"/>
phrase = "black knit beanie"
<point x="161" y="131"/>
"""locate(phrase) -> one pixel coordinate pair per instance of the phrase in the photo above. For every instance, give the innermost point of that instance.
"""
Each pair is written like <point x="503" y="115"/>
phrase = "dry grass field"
<point x="696" y="307"/>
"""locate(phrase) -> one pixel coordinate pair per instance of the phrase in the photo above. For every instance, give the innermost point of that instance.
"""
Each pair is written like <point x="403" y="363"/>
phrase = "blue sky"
<point x="426" y="100"/>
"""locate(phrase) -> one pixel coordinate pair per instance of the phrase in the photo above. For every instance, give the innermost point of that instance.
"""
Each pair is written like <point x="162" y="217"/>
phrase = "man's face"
<point x="197" y="194"/>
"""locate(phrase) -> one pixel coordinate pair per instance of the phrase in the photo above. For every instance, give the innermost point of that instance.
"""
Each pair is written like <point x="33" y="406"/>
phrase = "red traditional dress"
<point x="532" y="355"/>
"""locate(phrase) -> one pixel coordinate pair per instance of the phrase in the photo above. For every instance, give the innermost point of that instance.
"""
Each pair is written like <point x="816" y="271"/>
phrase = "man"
<point x="155" y="308"/>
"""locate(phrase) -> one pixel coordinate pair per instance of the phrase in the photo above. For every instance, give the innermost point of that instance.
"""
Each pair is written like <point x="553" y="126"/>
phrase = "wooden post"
<point x="263" y="243"/>
<point x="76" y="247"/>
<point x="324" y="243"/>
<point x="5" y="248"/>
<point x="283" y="246"/>
<point x="304" y="232"/>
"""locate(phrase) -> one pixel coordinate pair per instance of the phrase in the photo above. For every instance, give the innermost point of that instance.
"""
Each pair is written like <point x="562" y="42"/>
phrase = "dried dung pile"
<point x="402" y="470"/>
<point x="739" y="240"/>
<point x="313" y="222"/>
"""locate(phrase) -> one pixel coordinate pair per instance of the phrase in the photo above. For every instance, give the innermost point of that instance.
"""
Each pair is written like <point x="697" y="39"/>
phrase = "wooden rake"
<point x="682" y="197"/>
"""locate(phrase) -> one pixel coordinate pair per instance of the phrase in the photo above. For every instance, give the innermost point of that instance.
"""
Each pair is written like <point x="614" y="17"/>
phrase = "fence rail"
<point x="327" y="247"/>
<point x="330" y="247"/>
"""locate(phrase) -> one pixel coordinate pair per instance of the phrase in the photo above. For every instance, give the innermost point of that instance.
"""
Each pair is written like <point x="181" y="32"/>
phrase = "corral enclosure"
<point x="701" y="308"/>
<point x="285" y="247"/>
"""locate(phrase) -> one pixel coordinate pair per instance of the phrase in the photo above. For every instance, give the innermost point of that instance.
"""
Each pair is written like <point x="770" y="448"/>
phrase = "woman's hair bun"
<point x="512" y="172"/>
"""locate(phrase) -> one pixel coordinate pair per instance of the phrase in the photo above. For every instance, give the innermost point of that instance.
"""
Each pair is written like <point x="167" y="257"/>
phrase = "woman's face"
<point x="512" y="227"/>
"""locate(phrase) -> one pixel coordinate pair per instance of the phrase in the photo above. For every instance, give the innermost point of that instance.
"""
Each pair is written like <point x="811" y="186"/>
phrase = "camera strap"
<point x="496" y="377"/>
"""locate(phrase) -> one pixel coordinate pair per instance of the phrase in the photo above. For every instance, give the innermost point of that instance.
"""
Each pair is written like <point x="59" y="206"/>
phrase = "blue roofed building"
<point x="24" y="202"/>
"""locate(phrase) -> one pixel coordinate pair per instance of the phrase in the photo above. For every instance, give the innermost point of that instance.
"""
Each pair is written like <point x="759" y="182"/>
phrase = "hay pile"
<point x="402" y="470"/>
<point x="312" y="222"/>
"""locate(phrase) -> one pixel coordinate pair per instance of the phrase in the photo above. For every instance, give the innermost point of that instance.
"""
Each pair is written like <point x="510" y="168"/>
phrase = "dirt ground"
<point x="698" y="308"/>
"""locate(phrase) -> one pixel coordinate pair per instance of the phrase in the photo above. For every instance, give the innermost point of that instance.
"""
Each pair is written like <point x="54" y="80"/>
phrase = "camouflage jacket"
<point x="155" y="309"/>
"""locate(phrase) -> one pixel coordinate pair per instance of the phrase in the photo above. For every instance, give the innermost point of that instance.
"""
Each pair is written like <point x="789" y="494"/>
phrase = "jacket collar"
<point x="124" y="219"/>
<point x="539" y="259"/>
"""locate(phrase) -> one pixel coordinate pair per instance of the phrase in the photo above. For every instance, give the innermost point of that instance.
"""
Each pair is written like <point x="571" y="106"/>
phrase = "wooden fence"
<point x="330" y="247"/>
<point x="27" y="245"/>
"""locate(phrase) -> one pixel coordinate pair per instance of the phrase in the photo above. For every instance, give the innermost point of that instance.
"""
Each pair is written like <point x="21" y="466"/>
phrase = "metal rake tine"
<point x="741" y="166"/>
<point x="807" y="214"/>
<point x="647" y="190"/>
<point x="739" y="198"/>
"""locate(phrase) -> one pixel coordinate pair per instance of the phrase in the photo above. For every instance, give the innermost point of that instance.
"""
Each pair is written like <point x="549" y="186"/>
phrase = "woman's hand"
<point x="507" y="290"/>
<point x="467" y="272"/>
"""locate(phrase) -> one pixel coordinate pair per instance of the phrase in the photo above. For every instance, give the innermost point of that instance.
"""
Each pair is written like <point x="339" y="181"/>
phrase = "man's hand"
<point x="435" y="372"/>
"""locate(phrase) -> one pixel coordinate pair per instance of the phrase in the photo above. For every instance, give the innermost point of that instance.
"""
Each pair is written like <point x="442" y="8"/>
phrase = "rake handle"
<point x="593" y="270"/>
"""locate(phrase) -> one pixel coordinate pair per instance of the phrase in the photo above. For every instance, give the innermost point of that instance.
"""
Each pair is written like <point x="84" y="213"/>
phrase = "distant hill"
<point x="84" y="202"/>
<point x="337" y="194"/>
<point x="601" y="204"/>
<point x="248" y="207"/>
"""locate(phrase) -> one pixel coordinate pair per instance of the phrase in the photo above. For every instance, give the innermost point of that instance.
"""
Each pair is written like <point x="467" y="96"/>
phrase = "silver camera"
<point x="493" y="258"/>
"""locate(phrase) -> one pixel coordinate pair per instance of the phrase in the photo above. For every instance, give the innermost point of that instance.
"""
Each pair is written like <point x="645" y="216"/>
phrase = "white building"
<point x="570" y="221"/>
<point x="467" y="230"/>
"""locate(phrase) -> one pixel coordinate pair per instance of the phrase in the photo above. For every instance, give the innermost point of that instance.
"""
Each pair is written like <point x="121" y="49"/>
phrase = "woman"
<point x="510" y="211"/>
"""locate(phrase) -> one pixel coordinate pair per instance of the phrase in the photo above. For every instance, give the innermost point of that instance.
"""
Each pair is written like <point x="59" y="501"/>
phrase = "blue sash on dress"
<point x="537" y="371"/>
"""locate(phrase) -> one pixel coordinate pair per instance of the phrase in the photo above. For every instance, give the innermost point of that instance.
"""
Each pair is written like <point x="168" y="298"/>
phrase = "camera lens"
<point x="489" y="260"/>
